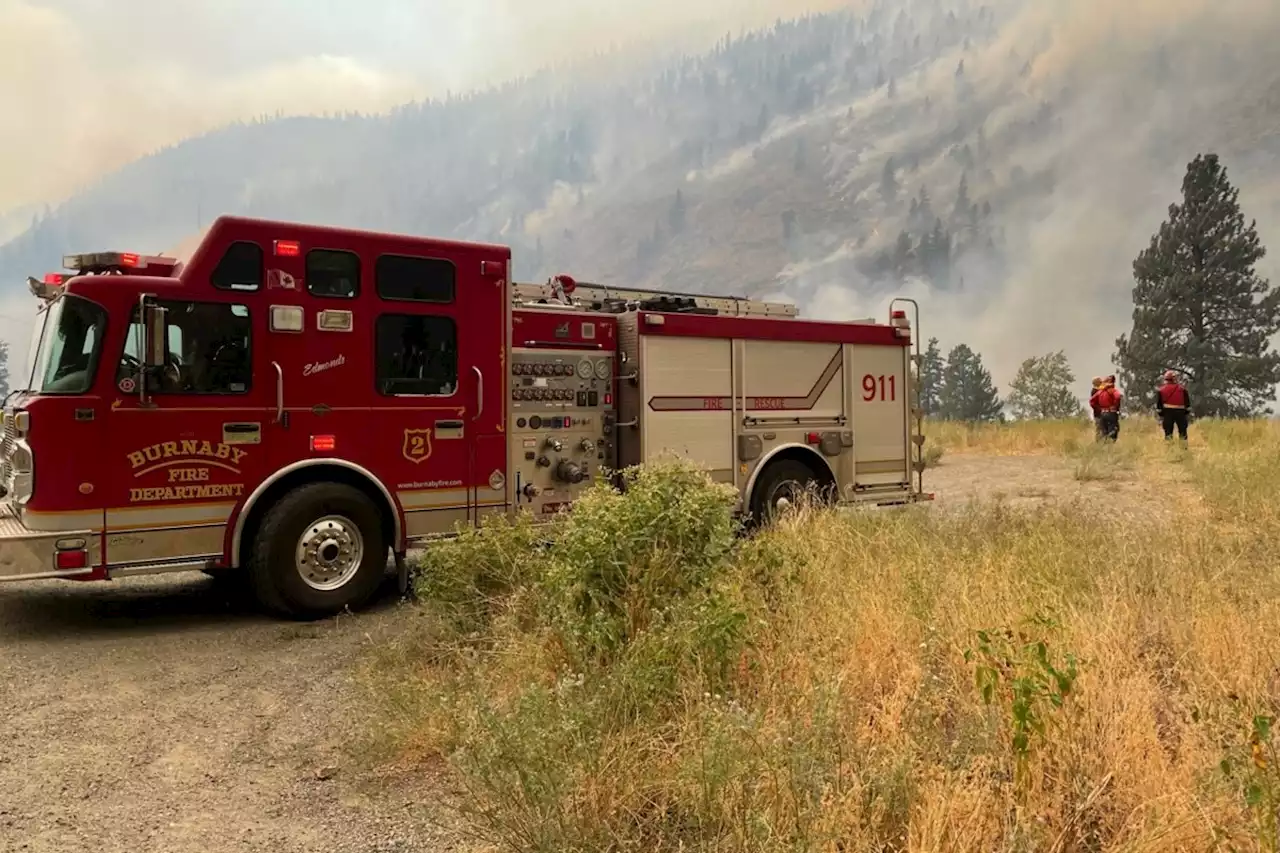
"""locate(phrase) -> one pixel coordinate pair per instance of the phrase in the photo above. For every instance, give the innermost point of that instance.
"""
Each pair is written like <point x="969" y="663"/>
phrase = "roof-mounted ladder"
<point x="564" y="292"/>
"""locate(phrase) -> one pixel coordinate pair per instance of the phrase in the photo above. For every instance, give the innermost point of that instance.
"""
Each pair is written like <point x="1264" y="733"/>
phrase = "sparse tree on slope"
<point x="968" y="394"/>
<point x="1042" y="389"/>
<point x="4" y="370"/>
<point x="677" y="213"/>
<point x="889" y="181"/>
<point x="1199" y="307"/>
<point x="962" y="195"/>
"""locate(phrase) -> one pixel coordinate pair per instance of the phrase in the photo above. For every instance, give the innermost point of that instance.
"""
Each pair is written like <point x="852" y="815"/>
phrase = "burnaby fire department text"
<point x="186" y="449"/>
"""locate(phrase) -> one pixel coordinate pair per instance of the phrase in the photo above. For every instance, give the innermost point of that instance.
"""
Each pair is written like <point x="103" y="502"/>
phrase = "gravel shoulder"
<point x="160" y="714"/>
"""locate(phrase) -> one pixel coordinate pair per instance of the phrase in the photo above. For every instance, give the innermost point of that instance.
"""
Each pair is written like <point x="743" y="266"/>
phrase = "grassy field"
<point x="967" y="677"/>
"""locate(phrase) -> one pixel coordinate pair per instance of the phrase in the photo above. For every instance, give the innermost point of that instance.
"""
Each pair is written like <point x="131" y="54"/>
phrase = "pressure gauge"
<point x="584" y="368"/>
<point x="602" y="369"/>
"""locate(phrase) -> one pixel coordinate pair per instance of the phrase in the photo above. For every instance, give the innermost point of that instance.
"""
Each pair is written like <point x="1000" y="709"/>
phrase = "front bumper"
<point x="27" y="555"/>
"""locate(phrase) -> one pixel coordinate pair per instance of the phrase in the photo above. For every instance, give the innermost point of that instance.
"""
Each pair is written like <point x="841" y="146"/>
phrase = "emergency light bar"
<point x="115" y="262"/>
<point x="100" y="260"/>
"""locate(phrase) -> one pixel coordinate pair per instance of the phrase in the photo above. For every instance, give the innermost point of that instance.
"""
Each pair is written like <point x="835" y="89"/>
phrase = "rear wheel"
<point x="783" y="485"/>
<point x="319" y="550"/>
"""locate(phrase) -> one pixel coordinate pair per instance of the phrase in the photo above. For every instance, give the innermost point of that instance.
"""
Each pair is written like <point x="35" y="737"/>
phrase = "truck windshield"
<point x="69" y="345"/>
<point x="30" y="379"/>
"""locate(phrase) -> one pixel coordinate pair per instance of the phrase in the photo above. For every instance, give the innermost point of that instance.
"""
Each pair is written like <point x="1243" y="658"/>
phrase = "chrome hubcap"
<point x="329" y="552"/>
<point x="784" y="497"/>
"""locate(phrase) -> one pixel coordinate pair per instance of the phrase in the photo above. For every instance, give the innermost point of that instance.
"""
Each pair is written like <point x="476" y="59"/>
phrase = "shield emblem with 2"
<point x="417" y="445"/>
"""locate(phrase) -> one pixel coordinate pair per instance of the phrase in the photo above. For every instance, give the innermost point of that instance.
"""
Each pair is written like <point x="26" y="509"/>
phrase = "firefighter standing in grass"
<point x="1106" y="402"/>
<point x="1097" y="424"/>
<point x="1173" y="404"/>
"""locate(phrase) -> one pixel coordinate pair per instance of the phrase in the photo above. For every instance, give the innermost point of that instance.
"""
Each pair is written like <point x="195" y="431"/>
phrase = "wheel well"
<point x="806" y="457"/>
<point x="304" y="476"/>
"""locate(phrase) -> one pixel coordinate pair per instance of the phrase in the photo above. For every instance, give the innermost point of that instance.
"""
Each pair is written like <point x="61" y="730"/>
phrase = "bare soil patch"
<point x="1147" y="493"/>
<point x="161" y="715"/>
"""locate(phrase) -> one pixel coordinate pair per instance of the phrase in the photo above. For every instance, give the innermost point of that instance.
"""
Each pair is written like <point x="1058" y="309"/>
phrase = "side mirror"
<point x="154" y="326"/>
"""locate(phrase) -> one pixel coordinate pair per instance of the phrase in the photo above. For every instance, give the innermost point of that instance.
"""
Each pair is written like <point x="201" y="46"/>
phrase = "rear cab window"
<point x="404" y="278"/>
<point x="333" y="273"/>
<point x="416" y="352"/>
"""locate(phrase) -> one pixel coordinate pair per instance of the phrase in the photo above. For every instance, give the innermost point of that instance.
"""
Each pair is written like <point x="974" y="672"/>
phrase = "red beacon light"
<point x="48" y="288"/>
<point x="901" y="326"/>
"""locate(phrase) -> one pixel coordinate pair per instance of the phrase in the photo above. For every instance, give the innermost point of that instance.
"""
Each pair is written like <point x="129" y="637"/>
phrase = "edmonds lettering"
<point x="318" y="366"/>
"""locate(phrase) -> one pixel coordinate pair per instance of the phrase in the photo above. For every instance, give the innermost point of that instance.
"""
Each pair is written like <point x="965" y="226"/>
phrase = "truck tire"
<point x="782" y="482"/>
<point x="319" y="550"/>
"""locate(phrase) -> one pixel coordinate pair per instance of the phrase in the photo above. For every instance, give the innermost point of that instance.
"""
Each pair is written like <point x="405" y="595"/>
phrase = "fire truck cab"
<point x="292" y="402"/>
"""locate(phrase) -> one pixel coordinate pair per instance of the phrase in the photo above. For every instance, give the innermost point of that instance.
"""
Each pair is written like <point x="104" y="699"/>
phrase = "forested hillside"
<point x="1004" y="159"/>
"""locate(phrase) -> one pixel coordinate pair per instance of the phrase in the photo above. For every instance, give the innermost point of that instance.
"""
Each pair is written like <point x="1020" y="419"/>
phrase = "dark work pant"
<point x="1170" y="418"/>
<point x="1109" y="425"/>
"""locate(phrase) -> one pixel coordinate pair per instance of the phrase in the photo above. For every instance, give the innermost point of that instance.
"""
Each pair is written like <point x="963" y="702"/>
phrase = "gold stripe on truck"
<point x="882" y="466"/>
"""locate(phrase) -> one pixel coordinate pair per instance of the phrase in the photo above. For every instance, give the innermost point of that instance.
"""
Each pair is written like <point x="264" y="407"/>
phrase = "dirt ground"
<point x="158" y="715"/>
<point x="1147" y="495"/>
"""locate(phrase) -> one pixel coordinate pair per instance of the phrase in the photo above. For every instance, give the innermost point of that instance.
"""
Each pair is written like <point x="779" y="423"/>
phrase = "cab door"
<point x="439" y="387"/>
<point x="182" y="456"/>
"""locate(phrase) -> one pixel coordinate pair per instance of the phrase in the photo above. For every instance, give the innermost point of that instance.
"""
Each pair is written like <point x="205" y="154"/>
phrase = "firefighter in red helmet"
<point x="1173" y="404"/>
<point x="1106" y="402"/>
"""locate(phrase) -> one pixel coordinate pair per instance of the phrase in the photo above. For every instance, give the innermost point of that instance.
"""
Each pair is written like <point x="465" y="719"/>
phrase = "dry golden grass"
<point x="821" y="686"/>
<point x="1012" y="439"/>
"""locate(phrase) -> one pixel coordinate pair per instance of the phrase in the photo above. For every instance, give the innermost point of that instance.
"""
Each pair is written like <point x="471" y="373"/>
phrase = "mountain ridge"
<point x="820" y="160"/>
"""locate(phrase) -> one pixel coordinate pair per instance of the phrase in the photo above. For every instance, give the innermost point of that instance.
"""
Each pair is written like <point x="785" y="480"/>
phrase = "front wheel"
<point x="319" y="550"/>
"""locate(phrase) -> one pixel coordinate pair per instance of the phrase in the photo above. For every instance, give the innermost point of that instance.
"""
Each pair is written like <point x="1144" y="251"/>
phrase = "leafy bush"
<point x="644" y="681"/>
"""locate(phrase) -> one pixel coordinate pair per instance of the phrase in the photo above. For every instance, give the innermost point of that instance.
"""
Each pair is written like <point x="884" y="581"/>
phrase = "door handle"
<point x="241" y="429"/>
<point x="279" y="391"/>
<point x="449" y="424"/>
<point x="479" y="392"/>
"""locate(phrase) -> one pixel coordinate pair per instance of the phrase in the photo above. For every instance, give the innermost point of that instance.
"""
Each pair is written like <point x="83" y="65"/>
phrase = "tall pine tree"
<point x="1198" y="306"/>
<point x="931" y="371"/>
<point x="968" y="394"/>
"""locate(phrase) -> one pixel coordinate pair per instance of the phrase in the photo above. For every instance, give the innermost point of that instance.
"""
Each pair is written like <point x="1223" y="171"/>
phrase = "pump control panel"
<point x="562" y="412"/>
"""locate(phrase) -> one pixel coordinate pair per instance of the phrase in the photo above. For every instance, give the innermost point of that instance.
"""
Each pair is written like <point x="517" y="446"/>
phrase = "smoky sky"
<point x="88" y="85"/>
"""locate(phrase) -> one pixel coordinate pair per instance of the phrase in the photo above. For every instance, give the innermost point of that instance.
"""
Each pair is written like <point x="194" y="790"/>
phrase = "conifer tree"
<point x="1198" y="306"/>
<point x="931" y="370"/>
<point x="889" y="181"/>
<point x="968" y="394"/>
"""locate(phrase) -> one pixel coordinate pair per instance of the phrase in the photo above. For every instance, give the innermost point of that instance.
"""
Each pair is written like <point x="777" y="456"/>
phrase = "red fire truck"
<point x="292" y="402"/>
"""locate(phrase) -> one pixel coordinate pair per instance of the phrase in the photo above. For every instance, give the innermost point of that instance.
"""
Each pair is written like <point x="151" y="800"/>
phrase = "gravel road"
<point x="159" y="714"/>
